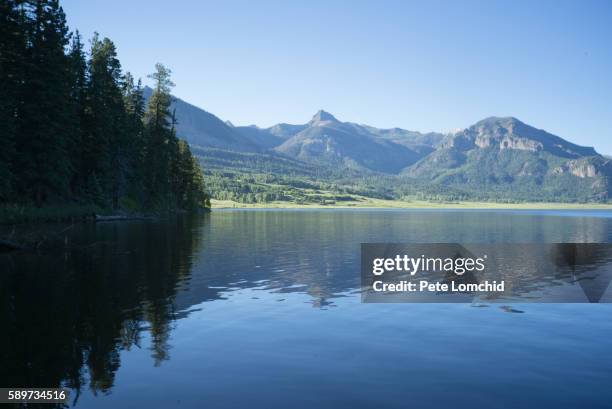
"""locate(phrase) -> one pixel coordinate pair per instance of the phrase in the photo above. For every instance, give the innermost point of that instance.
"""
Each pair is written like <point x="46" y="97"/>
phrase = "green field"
<point x="236" y="179"/>
<point x="364" y="202"/>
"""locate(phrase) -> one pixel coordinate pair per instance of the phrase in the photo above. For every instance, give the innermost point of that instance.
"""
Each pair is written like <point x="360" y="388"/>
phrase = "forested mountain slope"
<point x="497" y="158"/>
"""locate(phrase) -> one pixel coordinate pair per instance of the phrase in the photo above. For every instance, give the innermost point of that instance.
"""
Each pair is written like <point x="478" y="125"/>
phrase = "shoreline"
<point x="13" y="214"/>
<point x="413" y="204"/>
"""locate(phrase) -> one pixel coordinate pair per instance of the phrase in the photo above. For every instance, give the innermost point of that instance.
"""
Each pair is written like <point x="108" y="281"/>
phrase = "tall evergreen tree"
<point x="12" y="50"/>
<point x="134" y="103"/>
<point x="78" y="102"/>
<point x="105" y="124"/>
<point x="159" y="137"/>
<point x="188" y="181"/>
<point x="42" y="138"/>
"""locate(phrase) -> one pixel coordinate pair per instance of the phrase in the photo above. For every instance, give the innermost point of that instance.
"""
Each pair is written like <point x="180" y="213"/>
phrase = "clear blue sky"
<point x="430" y="65"/>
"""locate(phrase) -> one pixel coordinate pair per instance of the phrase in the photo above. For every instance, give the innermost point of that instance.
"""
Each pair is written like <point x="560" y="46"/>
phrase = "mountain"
<point x="328" y="141"/>
<point x="260" y="137"/>
<point x="498" y="154"/>
<point x="286" y="131"/>
<point x="420" y="142"/>
<point x="496" y="158"/>
<point x="272" y="137"/>
<point x="323" y="140"/>
<point x="202" y="128"/>
<point x="511" y="133"/>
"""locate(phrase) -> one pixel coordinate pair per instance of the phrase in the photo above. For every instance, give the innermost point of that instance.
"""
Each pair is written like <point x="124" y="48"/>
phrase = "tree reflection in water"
<point x="68" y="311"/>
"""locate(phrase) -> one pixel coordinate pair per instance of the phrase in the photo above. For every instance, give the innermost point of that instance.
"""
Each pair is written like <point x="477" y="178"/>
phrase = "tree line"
<point x="75" y="128"/>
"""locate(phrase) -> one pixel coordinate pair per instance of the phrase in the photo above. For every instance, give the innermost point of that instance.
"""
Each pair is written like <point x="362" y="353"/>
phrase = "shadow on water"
<point x="67" y="313"/>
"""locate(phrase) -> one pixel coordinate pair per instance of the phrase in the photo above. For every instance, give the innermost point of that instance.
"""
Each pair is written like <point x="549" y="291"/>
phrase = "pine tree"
<point x="105" y="123"/>
<point x="41" y="142"/>
<point x="189" y="183"/>
<point x="159" y="137"/>
<point x="78" y="101"/>
<point x="12" y="50"/>
<point x="134" y="103"/>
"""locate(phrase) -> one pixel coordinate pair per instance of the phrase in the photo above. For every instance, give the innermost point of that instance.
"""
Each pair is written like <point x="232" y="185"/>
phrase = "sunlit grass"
<point x="364" y="202"/>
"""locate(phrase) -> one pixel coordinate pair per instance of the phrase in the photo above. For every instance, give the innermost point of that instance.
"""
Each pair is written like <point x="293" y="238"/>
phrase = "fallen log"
<point x="6" y="246"/>
<point x="118" y="217"/>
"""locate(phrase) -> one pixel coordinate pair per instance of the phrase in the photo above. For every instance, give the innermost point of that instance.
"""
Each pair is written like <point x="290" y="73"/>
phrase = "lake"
<point x="262" y="309"/>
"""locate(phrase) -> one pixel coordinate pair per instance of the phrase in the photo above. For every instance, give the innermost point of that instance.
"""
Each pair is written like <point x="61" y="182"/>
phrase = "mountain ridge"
<point x="326" y="139"/>
<point x="201" y="128"/>
<point x="502" y="156"/>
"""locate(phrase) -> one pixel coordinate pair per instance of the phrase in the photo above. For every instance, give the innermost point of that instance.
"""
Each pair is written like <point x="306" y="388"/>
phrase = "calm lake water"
<point x="261" y="309"/>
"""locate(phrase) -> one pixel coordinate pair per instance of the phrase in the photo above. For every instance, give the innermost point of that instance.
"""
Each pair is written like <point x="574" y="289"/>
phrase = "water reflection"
<point x="520" y="272"/>
<point x="69" y="312"/>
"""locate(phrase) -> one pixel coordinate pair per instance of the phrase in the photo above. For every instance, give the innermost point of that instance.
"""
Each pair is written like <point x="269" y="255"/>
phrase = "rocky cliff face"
<point x="585" y="167"/>
<point x="506" y="154"/>
<point x="510" y="133"/>
<point x="509" y="142"/>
